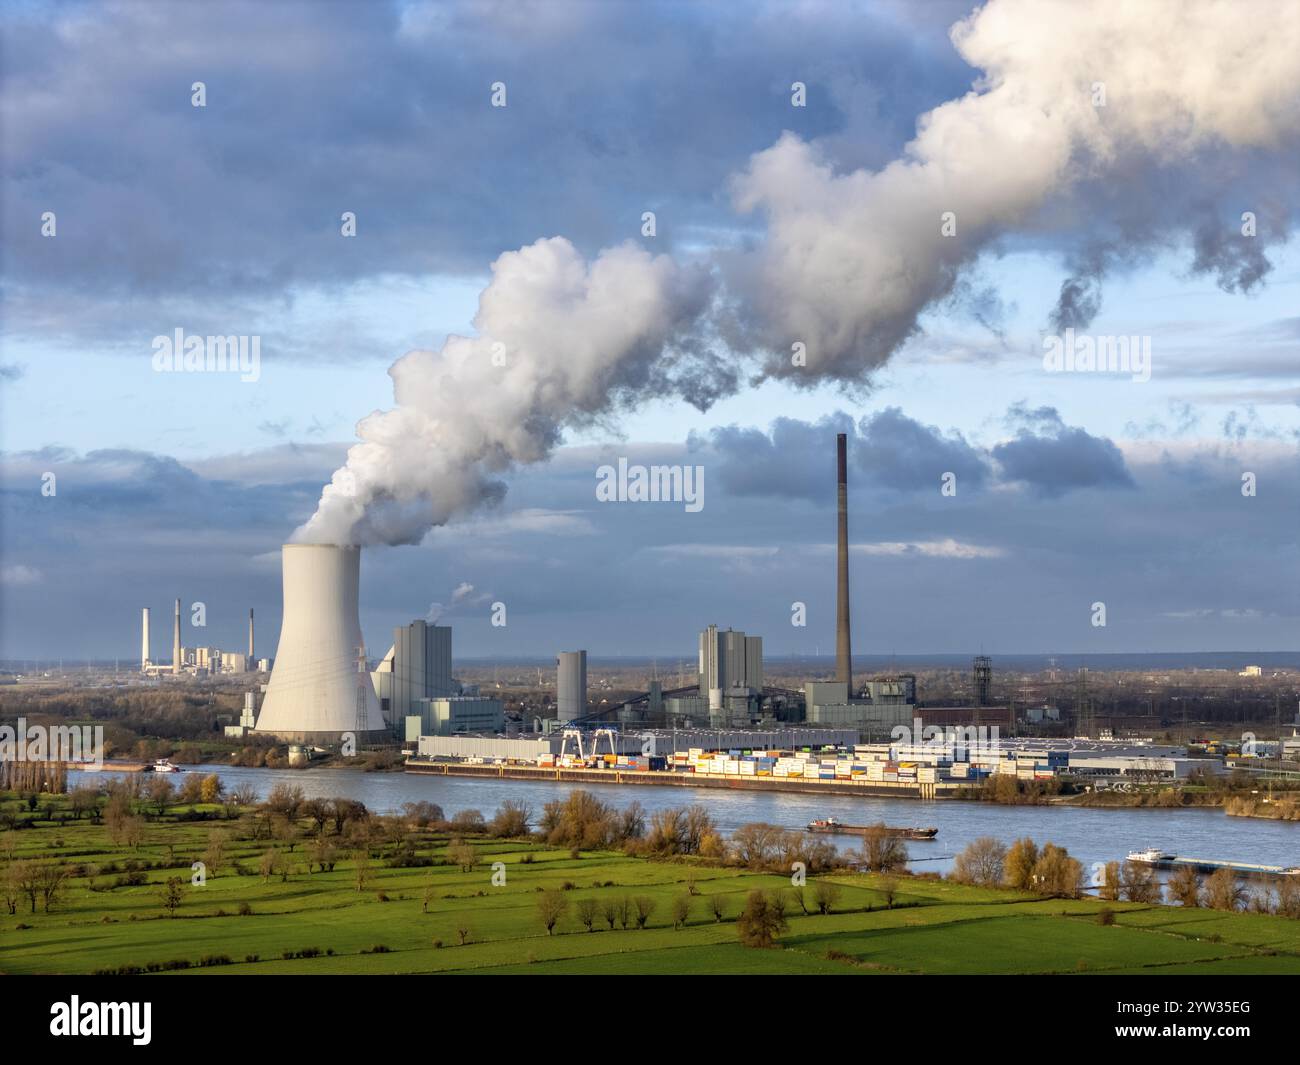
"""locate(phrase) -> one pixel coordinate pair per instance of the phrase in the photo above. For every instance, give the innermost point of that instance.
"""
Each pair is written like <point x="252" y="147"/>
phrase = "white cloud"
<point x="20" y="574"/>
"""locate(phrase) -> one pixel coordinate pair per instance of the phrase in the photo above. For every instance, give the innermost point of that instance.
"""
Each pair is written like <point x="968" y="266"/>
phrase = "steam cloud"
<point x="1201" y="99"/>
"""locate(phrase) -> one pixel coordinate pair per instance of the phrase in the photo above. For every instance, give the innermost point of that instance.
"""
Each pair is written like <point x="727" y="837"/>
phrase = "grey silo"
<point x="571" y="685"/>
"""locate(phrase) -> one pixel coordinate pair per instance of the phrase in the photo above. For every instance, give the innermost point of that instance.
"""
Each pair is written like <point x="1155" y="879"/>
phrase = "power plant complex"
<point x="323" y="688"/>
<point x="196" y="661"/>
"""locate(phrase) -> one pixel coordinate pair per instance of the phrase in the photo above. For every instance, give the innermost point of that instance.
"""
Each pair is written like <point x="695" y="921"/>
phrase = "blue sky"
<point x="225" y="220"/>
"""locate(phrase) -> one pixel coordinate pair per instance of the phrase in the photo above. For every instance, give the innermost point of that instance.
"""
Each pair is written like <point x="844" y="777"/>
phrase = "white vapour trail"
<point x="850" y="260"/>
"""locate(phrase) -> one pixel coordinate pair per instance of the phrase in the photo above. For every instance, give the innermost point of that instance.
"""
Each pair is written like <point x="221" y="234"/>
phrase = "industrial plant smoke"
<point x="1063" y="127"/>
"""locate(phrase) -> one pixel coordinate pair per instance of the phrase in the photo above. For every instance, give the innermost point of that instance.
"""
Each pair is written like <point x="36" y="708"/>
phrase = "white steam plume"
<point x="560" y="342"/>
<point x="1194" y="93"/>
<point x="851" y="260"/>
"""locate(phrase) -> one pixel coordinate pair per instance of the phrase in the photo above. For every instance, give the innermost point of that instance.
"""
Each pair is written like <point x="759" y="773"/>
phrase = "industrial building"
<point x="416" y="667"/>
<point x="571" y="685"/>
<point x="731" y="675"/>
<point x="450" y="715"/>
<point x="196" y="661"/>
<point x="319" y="688"/>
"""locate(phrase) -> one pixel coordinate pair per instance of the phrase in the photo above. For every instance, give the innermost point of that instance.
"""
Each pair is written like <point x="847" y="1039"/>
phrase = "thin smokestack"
<point x="252" y="661"/>
<point x="843" y="654"/>
<point x="144" y="642"/>
<point x="176" y="640"/>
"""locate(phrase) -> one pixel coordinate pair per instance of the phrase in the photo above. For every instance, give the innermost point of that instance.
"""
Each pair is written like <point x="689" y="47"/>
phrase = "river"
<point x="1091" y="835"/>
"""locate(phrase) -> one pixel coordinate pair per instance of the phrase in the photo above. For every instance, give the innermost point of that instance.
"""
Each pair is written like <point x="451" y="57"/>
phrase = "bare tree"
<point x="1288" y="897"/>
<point x="588" y="910"/>
<point x="609" y="911"/>
<point x="756" y="843"/>
<point x="170" y="894"/>
<point x="825" y="895"/>
<point x="214" y="856"/>
<point x="1056" y="873"/>
<point x="888" y="886"/>
<point x="1185" y="886"/>
<point x="11" y="889"/>
<point x="1139" y="883"/>
<point x="511" y="820"/>
<point x="681" y="910"/>
<point x="1223" y="891"/>
<point x="361" y="868"/>
<point x="551" y="906"/>
<point x="718" y="907"/>
<point x="645" y="908"/>
<point x="882" y="852"/>
<point x="981" y="862"/>
<point x="1109" y="888"/>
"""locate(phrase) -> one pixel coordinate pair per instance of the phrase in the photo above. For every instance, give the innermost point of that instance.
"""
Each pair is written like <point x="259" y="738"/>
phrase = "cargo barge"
<point x="829" y="824"/>
<point x="1163" y="860"/>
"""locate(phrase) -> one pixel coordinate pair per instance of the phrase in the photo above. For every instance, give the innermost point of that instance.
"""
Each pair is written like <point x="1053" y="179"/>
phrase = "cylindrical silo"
<point x="571" y="685"/>
<point x="320" y="688"/>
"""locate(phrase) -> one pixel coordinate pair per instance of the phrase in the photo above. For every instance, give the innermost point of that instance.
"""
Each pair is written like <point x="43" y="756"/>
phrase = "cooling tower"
<point x="319" y="687"/>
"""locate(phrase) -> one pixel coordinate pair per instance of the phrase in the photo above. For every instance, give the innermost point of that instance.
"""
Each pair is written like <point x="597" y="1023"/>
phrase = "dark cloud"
<point x="887" y="450"/>
<point x="1052" y="458"/>
<point x="900" y="453"/>
<point x="383" y="109"/>
<point x="610" y="577"/>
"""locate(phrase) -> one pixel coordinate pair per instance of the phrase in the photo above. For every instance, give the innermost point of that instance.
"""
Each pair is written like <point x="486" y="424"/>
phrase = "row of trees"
<point x="1050" y="870"/>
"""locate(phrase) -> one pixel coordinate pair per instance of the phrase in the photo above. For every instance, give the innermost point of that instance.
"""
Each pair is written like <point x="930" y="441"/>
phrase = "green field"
<point x="934" y="926"/>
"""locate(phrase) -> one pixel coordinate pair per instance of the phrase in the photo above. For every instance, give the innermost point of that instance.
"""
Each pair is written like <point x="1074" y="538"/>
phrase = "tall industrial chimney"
<point x="319" y="687"/>
<point x="252" y="659"/>
<point x="176" y="640"/>
<point x="144" y="642"/>
<point x="843" y="654"/>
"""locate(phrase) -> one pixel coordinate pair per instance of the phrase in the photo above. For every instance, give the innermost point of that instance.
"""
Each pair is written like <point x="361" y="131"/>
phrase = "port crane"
<point x="576" y="735"/>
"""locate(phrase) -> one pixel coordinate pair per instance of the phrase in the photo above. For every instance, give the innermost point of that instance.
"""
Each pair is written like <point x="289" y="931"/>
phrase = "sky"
<point x="774" y="224"/>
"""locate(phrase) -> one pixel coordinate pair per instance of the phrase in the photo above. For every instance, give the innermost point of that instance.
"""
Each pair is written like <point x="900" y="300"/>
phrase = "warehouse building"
<point x="454" y="714"/>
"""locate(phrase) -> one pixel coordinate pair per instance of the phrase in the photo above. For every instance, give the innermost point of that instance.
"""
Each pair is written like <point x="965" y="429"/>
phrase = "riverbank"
<point x="421" y="903"/>
<point x="1092" y="835"/>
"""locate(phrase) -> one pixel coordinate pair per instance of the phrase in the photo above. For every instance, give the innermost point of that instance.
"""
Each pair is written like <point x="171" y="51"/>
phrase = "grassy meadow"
<point x="255" y="916"/>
